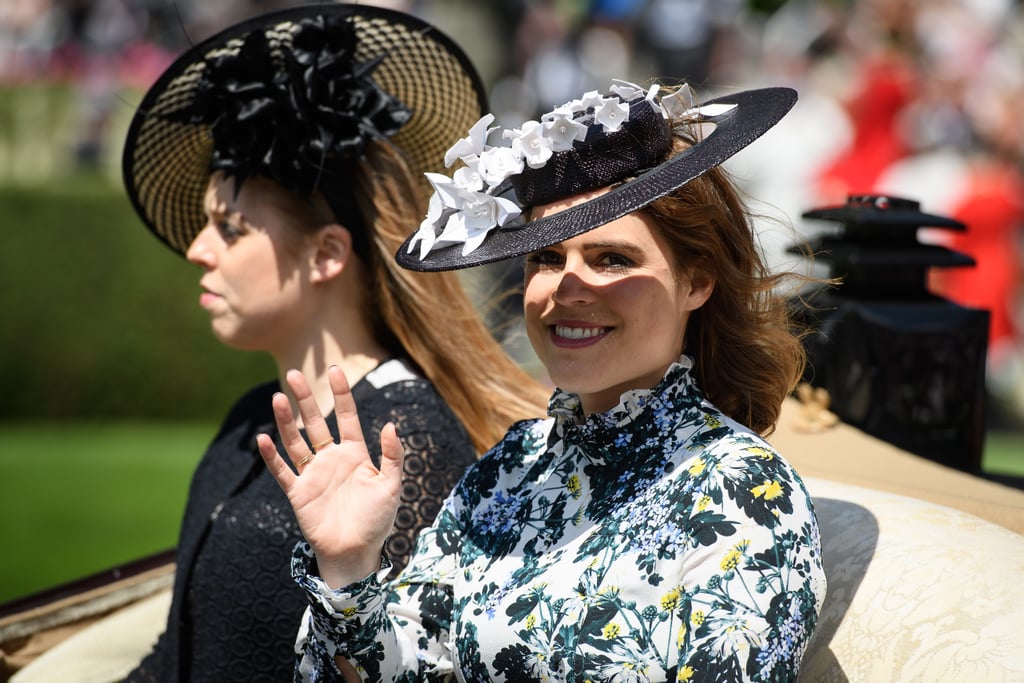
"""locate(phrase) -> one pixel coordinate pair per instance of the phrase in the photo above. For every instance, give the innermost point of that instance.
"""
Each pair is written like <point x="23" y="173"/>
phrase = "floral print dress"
<point x="658" y="541"/>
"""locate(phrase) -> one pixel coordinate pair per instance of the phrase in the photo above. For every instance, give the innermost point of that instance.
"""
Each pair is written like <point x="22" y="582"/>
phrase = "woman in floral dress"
<point x="644" y="531"/>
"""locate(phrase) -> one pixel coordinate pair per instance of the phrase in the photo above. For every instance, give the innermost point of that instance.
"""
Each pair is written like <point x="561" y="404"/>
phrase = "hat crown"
<point x="601" y="159"/>
<point x="291" y="102"/>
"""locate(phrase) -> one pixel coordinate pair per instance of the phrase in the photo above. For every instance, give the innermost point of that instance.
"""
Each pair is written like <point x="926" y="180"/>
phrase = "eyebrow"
<point x="220" y="209"/>
<point x="615" y="245"/>
<point x="211" y="202"/>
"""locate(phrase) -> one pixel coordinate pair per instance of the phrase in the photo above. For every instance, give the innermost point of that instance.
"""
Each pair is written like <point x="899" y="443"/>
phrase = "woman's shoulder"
<point x="395" y="371"/>
<point x="252" y="410"/>
<point x="731" y="443"/>
<point x="396" y="392"/>
<point x="749" y="465"/>
<point x="397" y="387"/>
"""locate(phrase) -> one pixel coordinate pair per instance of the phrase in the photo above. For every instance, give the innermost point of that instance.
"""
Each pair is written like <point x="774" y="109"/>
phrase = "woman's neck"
<point x="356" y="355"/>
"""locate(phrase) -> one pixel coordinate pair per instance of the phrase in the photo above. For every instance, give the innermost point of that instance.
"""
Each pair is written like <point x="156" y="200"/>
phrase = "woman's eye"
<point x="615" y="261"/>
<point x="229" y="230"/>
<point x="544" y="258"/>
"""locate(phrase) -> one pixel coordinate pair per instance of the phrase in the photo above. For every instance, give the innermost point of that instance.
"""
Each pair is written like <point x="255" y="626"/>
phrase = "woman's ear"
<point x="332" y="251"/>
<point x="702" y="283"/>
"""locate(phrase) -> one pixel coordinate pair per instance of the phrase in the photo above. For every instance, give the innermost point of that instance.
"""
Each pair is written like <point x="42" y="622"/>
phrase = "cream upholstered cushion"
<point x="916" y="591"/>
<point x="106" y="651"/>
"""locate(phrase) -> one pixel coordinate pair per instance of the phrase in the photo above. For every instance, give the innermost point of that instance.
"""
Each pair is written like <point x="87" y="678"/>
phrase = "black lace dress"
<point x="236" y="609"/>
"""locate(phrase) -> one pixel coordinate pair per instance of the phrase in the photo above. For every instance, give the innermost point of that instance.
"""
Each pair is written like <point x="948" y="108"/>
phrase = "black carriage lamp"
<point x="899" y="362"/>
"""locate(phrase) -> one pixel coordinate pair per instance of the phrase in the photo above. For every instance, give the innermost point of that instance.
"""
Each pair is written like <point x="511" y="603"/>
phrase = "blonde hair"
<point x="430" y="317"/>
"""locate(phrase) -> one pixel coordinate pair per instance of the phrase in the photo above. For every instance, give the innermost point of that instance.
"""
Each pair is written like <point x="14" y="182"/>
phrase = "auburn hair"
<point x="747" y="351"/>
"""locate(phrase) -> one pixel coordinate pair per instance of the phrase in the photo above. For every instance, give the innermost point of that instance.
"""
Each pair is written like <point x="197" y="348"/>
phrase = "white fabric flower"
<point x="445" y="189"/>
<point x="485" y="215"/>
<point x="531" y="144"/>
<point x="472" y="144"/>
<point x="477" y="215"/>
<point x="678" y="104"/>
<point x="498" y="163"/>
<point x="426" y="236"/>
<point x="591" y="99"/>
<point x="626" y="90"/>
<point x="561" y="111"/>
<point x="468" y="177"/>
<point x="562" y="130"/>
<point x="444" y="198"/>
<point x="612" y="114"/>
<point x="468" y="216"/>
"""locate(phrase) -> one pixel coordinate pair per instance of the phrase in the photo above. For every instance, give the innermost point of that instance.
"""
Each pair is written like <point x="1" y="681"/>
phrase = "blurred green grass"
<point x="83" y="497"/>
<point x="1004" y="453"/>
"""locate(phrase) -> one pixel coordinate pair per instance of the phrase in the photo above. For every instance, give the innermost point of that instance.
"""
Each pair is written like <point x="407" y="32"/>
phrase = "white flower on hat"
<point x="711" y="110"/>
<point x="467" y="216"/>
<point x="612" y="113"/>
<point x="591" y="99"/>
<point x="531" y="144"/>
<point x="561" y="129"/>
<point x="472" y="144"/>
<point x="678" y="104"/>
<point x="498" y="163"/>
<point x="443" y="199"/>
<point x="477" y="214"/>
<point x="468" y="177"/>
<point x="630" y="91"/>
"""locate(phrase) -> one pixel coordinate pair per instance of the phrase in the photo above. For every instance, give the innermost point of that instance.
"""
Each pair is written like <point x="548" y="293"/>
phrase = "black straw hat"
<point x="295" y="95"/>
<point x="620" y="140"/>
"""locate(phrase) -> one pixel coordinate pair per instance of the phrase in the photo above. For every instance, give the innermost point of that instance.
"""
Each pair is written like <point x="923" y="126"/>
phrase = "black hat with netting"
<point x="295" y="95"/>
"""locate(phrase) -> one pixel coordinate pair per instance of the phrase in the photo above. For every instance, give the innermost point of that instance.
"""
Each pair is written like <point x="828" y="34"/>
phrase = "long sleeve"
<point x="377" y="624"/>
<point x="388" y="631"/>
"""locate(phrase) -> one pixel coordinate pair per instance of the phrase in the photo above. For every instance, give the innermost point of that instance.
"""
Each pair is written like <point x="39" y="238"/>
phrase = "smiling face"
<point x="255" y="265"/>
<point x="606" y="311"/>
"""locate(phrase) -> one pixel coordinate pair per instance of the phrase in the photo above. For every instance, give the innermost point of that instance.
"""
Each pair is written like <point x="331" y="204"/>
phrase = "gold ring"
<point x="305" y="460"/>
<point x="328" y="441"/>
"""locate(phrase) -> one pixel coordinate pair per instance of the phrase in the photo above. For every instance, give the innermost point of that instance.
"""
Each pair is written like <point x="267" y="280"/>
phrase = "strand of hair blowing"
<point x="747" y="356"/>
<point x="430" y="315"/>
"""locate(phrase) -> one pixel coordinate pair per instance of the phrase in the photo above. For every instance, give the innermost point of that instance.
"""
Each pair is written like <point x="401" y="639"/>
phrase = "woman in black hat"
<point x="645" y="531"/>
<point x="284" y="156"/>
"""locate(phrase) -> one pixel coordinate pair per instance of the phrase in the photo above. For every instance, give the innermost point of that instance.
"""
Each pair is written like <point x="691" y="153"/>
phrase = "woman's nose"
<point x="200" y="252"/>
<point x="573" y="285"/>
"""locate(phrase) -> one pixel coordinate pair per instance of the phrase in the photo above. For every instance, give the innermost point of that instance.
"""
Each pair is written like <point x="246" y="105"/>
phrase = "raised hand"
<point x="344" y="505"/>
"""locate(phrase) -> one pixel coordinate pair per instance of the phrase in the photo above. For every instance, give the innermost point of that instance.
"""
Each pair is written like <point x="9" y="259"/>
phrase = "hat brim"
<point x="883" y="218"/>
<point x="755" y="112"/>
<point x="166" y="163"/>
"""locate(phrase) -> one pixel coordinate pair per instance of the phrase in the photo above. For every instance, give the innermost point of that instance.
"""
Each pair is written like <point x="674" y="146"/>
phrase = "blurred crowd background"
<point x="922" y="99"/>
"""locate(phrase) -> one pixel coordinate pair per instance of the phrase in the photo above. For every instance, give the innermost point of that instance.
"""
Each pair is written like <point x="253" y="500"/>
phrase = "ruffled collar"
<point x="613" y="436"/>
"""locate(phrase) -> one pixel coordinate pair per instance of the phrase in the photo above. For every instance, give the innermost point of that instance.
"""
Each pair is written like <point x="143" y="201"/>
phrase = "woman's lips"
<point x="208" y="299"/>
<point x="575" y="336"/>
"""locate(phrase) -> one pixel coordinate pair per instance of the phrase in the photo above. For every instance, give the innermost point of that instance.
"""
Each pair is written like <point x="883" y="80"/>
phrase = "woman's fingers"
<point x="344" y="405"/>
<point x="281" y="472"/>
<point x="316" y="427"/>
<point x="291" y="438"/>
